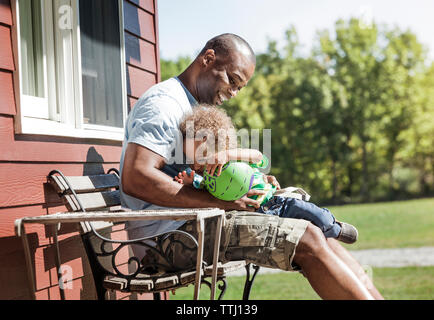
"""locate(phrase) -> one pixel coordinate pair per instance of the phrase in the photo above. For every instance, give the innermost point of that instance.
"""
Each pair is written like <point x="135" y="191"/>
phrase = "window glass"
<point x="101" y="62"/>
<point x="32" y="57"/>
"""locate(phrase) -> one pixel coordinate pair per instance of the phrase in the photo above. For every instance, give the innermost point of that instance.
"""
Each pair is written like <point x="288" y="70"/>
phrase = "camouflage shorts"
<point x="264" y="240"/>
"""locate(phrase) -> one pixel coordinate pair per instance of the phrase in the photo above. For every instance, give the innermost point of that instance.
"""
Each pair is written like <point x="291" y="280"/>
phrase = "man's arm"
<point x="142" y="178"/>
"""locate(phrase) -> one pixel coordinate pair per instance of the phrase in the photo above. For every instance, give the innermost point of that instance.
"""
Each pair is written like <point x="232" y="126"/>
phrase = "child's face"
<point x="192" y="152"/>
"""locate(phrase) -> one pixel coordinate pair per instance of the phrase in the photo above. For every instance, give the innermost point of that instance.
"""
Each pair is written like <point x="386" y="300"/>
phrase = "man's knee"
<point x="312" y="244"/>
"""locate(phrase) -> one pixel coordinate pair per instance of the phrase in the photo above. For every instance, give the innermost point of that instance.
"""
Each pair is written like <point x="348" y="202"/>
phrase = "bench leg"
<point x="249" y="282"/>
<point x="222" y="287"/>
<point x="27" y="256"/>
<point x="58" y="262"/>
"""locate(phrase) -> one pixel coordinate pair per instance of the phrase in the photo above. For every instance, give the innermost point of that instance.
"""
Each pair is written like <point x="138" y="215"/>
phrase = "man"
<point x="220" y="71"/>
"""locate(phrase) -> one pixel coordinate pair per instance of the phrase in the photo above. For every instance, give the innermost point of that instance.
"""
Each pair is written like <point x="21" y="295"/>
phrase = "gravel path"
<point x="400" y="257"/>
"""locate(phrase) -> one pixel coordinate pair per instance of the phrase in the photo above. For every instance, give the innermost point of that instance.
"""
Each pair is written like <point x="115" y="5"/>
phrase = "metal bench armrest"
<point x="107" y="216"/>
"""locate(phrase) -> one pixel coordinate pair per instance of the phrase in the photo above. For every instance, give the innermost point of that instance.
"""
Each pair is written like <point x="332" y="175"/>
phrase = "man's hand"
<point x="273" y="181"/>
<point x="245" y="203"/>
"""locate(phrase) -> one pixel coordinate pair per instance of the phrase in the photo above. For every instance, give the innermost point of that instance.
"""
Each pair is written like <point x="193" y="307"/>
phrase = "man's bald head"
<point x="226" y="44"/>
<point x="221" y="70"/>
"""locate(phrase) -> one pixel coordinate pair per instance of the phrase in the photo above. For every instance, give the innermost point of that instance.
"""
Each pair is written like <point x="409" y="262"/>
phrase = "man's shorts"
<point x="264" y="240"/>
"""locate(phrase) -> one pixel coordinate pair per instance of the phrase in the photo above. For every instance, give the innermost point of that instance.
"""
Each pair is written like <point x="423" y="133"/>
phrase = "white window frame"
<point x="61" y="112"/>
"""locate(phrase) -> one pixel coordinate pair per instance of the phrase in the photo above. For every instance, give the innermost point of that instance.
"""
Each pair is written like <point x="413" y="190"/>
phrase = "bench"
<point x="94" y="203"/>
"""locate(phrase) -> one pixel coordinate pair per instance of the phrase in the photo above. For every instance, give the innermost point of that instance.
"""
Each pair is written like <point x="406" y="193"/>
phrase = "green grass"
<point x="390" y="224"/>
<point x="410" y="283"/>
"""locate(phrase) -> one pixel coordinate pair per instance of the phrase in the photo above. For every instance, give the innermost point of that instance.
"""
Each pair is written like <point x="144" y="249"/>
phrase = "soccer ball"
<point x="233" y="183"/>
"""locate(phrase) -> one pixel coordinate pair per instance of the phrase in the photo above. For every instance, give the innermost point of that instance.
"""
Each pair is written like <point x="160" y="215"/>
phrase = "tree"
<point x="352" y="121"/>
<point x="170" y="68"/>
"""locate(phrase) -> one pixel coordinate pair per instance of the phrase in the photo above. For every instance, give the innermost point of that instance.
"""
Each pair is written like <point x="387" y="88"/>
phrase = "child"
<point x="214" y="121"/>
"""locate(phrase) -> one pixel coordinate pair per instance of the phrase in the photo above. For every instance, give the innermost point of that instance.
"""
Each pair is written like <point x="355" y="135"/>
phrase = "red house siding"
<point x="25" y="161"/>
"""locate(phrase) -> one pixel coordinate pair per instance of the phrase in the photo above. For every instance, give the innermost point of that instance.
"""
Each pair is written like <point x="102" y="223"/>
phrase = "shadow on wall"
<point x="93" y="163"/>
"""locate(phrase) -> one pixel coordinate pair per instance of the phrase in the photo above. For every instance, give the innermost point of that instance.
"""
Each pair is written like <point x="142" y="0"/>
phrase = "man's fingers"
<point x="251" y="202"/>
<point x="256" y="192"/>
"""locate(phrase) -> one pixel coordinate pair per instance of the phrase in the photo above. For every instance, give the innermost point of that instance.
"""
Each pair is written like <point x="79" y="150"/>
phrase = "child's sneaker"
<point x="348" y="233"/>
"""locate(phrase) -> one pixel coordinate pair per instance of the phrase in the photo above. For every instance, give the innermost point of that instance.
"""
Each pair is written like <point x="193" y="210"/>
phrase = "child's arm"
<point x="248" y="155"/>
<point x="216" y="161"/>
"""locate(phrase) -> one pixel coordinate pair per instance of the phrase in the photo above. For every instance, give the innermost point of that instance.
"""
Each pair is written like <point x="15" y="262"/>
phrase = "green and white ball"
<point x="233" y="183"/>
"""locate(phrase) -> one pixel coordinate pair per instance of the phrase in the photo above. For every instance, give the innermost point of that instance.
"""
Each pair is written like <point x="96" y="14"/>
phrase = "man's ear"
<point x="208" y="58"/>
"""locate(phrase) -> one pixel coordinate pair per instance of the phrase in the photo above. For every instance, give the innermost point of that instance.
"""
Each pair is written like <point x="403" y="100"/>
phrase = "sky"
<point x="186" y="25"/>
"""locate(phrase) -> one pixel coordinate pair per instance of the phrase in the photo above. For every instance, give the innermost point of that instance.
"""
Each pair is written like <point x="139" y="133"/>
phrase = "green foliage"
<point x="352" y="121"/>
<point x="170" y="68"/>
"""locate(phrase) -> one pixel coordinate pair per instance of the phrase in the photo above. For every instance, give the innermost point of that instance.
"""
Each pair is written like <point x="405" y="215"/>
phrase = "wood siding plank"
<point x="9" y="215"/>
<point x="25" y="183"/>
<point x="7" y="98"/>
<point x="131" y="103"/>
<point x="139" y="22"/>
<point x="138" y="81"/>
<point x="51" y="149"/>
<point x="140" y="53"/>
<point x="147" y="5"/>
<point x="5" y="12"/>
<point x="6" y="56"/>
<point x="157" y="39"/>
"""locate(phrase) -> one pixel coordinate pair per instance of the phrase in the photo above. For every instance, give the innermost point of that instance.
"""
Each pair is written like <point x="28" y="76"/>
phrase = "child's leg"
<point x="299" y="209"/>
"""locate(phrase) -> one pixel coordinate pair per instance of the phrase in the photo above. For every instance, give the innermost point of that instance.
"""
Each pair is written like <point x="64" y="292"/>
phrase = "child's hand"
<point x="184" y="178"/>
<point x="215" y="162"/>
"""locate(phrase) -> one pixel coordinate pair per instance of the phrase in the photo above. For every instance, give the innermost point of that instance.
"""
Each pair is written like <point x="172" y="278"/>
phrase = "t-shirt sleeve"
<point x="155" y="125"/>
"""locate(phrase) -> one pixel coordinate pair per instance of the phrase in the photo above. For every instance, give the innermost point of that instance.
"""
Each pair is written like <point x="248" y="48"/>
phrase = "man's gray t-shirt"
<point x="154" y="124"/>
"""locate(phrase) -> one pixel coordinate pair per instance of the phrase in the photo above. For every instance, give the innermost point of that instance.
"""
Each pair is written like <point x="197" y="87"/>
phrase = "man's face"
<point x="222" y="78"/>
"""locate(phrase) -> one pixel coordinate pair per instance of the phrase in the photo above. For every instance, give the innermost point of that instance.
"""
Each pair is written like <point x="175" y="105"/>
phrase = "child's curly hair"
<point x="210" y="122"/>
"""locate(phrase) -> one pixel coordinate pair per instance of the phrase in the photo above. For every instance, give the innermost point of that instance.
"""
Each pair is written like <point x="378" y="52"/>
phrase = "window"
<point x="71" y="68"/>
<point x="100" y="40"/>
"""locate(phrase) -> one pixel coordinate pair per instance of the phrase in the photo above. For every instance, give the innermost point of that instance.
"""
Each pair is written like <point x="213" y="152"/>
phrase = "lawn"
<point x="409" y="283"/>
<point x="390" y="224"/>
<point x="381" y="225"/>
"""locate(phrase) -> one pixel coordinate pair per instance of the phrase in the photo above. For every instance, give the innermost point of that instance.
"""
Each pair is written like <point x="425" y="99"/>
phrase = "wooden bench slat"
<point x="143" y="284"/>
<point x="114" y="283"/>
<point x="94" y="200"/>
<point x="83" y="184"/>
